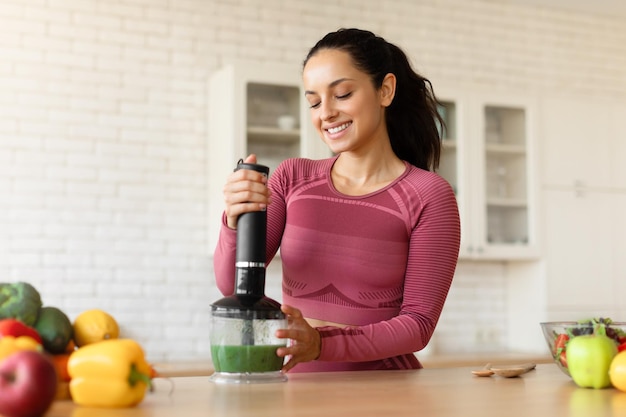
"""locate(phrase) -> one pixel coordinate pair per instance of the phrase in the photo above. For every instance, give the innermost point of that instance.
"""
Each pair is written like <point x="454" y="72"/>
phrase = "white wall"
<point x="103" y="137"/>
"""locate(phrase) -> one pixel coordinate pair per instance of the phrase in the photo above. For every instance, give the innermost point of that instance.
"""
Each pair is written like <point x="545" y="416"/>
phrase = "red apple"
<point x="28" y="384"/>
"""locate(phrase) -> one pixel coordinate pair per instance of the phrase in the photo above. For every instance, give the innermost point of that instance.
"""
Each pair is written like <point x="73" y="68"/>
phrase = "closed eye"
<point x="340" y="97"/>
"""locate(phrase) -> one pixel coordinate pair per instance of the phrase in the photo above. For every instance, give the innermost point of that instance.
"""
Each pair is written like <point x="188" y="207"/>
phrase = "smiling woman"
<point x="369" y="238"/>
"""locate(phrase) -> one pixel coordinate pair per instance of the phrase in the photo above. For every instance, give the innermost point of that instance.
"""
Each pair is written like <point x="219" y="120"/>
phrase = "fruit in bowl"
<point x="558" y="336"/>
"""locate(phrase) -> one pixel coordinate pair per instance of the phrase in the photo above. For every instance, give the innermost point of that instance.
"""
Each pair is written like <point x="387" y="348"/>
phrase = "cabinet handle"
<point x="579" y="188"/>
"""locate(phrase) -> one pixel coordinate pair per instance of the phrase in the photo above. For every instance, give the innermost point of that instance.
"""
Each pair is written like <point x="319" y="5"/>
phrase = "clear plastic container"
<point x="243" y="350"/>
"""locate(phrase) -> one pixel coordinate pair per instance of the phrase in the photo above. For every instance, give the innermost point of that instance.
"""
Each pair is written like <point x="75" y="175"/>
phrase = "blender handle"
<point x="252" y="229"/>
<point x="250" y="257"/>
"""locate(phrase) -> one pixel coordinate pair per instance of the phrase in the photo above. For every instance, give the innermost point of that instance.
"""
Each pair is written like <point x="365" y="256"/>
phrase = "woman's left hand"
<point x="305" y="343"/>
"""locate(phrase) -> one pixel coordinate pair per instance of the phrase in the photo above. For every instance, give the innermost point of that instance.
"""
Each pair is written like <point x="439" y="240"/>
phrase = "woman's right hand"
<point x="245" y="191"/>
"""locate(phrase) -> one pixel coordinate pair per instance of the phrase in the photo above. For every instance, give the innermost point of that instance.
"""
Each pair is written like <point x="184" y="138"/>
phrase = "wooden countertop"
<point x="430" y="392"/>
<point x="480" y="359"/>
<point x="205" y="367"/>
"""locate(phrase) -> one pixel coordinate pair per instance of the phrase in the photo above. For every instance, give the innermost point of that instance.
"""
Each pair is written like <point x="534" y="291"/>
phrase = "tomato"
<point x="559" y="348"/>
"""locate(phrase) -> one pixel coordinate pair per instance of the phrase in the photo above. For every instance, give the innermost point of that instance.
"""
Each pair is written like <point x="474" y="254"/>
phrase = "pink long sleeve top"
<point x="382" y="262"/>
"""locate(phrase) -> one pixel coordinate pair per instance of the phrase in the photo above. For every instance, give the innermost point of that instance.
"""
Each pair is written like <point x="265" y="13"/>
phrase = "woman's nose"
<point x="328" y="112"/>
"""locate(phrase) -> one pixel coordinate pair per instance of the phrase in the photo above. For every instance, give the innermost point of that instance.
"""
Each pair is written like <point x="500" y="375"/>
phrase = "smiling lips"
<point x="339" y="128"/>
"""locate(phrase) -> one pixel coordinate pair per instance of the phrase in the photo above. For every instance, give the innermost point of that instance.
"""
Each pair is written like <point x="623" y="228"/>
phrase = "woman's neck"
<point x="359" y="175"/>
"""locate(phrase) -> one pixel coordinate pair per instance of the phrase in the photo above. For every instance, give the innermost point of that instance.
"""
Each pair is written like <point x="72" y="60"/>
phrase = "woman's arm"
<point x="432" y="258"/>
<point x="224" y="259"/>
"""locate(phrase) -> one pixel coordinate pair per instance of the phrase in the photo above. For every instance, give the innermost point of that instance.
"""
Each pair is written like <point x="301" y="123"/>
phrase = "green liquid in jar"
<point x="246" y="358"/>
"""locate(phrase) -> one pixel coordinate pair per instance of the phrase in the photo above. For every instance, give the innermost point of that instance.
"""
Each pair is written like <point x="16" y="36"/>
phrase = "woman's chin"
<point x="335" y="146"/>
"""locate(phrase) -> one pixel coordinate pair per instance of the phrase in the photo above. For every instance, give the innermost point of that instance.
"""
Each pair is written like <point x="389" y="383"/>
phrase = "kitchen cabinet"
<point x="585" y="236"/>
<point x="248" y="105"/>
<point x="618" y="249"/>
<point x="617" y="133"/>
<point x="489" y="159"/>
<point x="575" y="150"/>
<point x="579" y="268"/>
<point x="584" y="189"/>
<point x="584" y="144"/>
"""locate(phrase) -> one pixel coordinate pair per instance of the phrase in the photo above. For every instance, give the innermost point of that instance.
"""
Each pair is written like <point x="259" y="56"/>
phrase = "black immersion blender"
<point x="243" y="345"/>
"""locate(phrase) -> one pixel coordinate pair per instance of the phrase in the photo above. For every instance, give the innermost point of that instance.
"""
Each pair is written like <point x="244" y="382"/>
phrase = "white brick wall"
<point x="103" y="136"/>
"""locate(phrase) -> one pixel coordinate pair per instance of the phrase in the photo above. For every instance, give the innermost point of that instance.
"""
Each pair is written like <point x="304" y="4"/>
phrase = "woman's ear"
<point x="387" y="90"/>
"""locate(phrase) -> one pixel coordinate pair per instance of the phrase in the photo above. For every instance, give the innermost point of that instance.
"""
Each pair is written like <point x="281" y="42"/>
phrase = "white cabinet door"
<point x="579" y="231"/>
<point x="618" y="249"/>
<point x="575" y="142"/>
<point x="617" y="150"/>
<point x="584" y="183"/>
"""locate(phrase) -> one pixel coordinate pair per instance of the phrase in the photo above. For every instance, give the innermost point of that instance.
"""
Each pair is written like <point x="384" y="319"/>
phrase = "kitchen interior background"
<point x="104" y="144"/>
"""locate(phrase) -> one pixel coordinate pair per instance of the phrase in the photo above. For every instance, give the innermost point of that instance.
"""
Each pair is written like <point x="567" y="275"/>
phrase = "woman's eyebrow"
<point x="333" y="84"/>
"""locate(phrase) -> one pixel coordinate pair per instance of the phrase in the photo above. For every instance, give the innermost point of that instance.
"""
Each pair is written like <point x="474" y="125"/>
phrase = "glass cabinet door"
<point x="508" y="186"/>
<point x="487" y="158"/>
<point x="272" y="122"/>
<point x="452" y="165"/>
<point x="505" y="175"/>
<point x="448" y="163"/>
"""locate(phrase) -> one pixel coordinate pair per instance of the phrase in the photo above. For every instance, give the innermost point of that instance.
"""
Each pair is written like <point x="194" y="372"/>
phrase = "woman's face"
<point x="346" y="109"/>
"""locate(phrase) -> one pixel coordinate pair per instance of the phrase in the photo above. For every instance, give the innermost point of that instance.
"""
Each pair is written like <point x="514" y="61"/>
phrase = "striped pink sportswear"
<point x="382" y="262"/>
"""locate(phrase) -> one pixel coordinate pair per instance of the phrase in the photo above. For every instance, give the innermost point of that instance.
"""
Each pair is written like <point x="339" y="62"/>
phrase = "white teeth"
<point x="337" y="129"/>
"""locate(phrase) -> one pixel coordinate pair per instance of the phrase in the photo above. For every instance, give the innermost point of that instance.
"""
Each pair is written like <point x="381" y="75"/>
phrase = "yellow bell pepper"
<point x="111" y="373"/>
<point x="11" y="344"/>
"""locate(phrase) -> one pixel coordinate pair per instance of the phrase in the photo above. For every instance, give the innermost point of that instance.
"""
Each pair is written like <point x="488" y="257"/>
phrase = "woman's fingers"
<point x="245" y="191"/>
<point x="305" y="343"/>
<point x="250" y="159"/>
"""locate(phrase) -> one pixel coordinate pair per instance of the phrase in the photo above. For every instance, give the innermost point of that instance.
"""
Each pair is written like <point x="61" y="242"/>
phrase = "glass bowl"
<point x="558" y="333"/>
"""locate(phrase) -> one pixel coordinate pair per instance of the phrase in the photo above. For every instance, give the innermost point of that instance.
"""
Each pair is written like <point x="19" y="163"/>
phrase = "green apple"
<point x="589" y="359"/>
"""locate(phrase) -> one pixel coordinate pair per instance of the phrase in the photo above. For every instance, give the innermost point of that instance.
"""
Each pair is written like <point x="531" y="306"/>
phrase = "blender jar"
<point x="243" y="346"/>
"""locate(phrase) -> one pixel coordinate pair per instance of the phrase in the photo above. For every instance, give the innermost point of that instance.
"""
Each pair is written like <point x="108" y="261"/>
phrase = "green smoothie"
<point x="246" y="358"/>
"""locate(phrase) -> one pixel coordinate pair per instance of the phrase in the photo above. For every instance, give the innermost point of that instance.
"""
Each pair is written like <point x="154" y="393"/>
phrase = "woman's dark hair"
<point x="412" y="118"/>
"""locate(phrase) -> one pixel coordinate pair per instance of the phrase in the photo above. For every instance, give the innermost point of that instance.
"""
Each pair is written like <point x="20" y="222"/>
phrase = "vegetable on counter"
<point x="10" y="345"/>
<point x="19" y="300"/>
<point x="55" y="329"/>
<point x="16" y="328"/>
<point x="60" y="361"/>
<point x="559" y="348"/>
<point x="586" y="328"/>
<point x="111" y="373"/>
